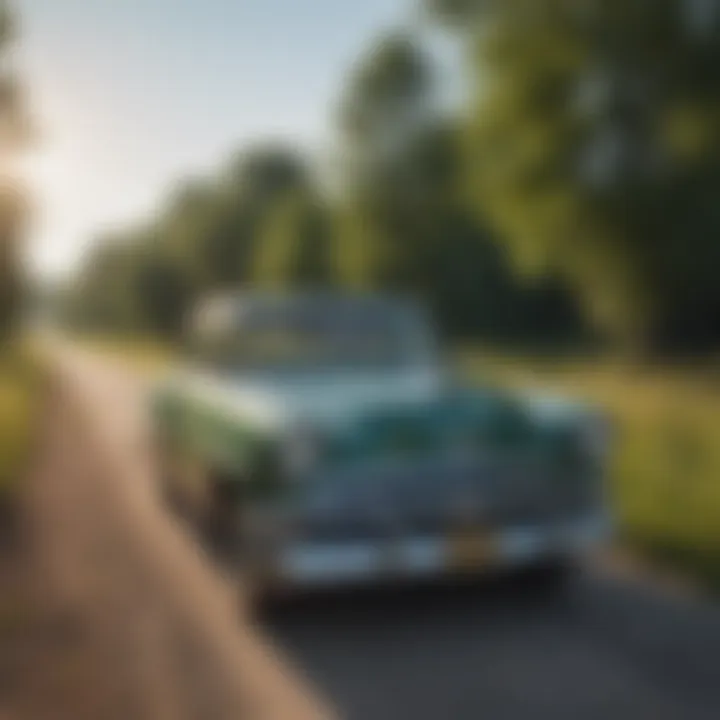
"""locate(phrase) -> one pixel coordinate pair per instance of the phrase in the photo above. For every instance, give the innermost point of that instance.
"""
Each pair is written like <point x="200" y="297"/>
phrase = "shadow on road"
<point x="452" y="599"/>
<point x="511" y="648"/>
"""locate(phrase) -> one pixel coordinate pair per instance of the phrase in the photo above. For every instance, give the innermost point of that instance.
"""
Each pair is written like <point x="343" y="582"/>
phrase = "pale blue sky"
<point x="132" y="94"/>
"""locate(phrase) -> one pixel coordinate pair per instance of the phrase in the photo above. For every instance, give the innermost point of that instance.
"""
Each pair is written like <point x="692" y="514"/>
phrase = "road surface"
<point x="603" y="650"/>
<point x="606" y="648"/>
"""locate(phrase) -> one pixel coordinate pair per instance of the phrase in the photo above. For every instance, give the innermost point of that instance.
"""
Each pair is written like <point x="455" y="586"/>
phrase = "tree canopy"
<point x="576" y="184"/>
<point x="593" y="145"/>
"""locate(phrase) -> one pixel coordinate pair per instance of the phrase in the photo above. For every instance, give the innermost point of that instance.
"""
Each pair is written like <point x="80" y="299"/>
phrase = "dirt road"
<point x="139" y="624"/>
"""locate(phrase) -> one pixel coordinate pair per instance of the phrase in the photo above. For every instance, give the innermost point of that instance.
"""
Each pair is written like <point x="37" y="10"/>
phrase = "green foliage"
<point x="387" y="96"/>
<point x="404" y="223"/>
<point x="457" y="14"/>
<point x="14" y="122"/>
<point x="14" y="131"/>
<point x="12" y="220"/>
<point x="295" y="246"/>
<point x="395" y="220"/>
<point x="104" y="296"/>
<point x="163" y="293"/>
<point x="594" y="148"/>
<point x="21" y="384"/>
<point x="145" y="280"/>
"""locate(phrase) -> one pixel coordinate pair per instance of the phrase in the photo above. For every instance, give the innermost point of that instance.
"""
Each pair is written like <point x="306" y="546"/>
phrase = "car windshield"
<point x="308" y="333"/>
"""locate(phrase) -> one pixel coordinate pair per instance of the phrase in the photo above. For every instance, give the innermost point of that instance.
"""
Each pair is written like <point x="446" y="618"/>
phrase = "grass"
<point x="21" y="382"/>
<point x="665" y="476"/>
<point x="146" y="356"/>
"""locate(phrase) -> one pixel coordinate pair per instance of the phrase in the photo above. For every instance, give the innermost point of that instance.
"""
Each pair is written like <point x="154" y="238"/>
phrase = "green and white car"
<point x="323" y="438"/>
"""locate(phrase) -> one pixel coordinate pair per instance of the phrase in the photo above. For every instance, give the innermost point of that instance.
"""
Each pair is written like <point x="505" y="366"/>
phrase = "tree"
<point x="14" y="133"/>
<point x="404" y="221"/>
<point x="14" y="122"/>
<point x="387" y="104"/>
<point x="255" y="183"/>
<point x="594" y="148"/>
<point x="12" y="219"/>
<point x="389" y="97"/>
<point x="296" y="247"/>
<point x="457" y="14"/>
<point x="164" y="295"/>
<point x="396" y="220"/>
<point x="102" y="296"/>
<point x="205" y="240"/>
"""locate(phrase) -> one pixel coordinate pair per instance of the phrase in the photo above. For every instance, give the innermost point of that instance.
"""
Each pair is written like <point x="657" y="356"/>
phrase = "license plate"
<point x="472" y="550"/>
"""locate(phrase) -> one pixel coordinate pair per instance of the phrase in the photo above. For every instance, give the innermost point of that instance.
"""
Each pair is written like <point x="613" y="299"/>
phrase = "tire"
<point x="191" y="490"/>
<point x="265" y="599"/>
<point x="208" y="500"/>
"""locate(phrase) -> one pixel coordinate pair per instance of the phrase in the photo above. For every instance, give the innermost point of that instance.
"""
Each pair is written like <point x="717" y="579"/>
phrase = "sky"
<point x="131" y="95"/>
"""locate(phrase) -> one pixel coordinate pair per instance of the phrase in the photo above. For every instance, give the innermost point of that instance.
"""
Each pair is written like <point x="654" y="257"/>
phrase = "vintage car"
<point x="322" y="437"/>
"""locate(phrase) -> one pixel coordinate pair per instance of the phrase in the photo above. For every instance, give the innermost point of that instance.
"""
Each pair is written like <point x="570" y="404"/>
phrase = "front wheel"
<point x="207" y="499"/>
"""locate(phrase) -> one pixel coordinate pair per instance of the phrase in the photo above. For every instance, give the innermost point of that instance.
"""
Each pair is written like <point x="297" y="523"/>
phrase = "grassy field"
<point x="21" y="382"/>
<point x="666" y="465"/>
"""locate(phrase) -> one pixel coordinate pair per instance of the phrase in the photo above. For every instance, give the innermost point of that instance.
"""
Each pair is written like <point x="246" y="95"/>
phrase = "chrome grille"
<point x="437" y="496"/>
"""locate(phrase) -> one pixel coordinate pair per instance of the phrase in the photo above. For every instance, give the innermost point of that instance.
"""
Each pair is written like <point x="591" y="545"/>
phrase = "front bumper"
<point x="326" y="564"/>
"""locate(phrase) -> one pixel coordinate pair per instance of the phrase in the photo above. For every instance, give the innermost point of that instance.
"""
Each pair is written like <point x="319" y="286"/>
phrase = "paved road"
<point x="605" y="649"/>
<point x="506" y="651"/>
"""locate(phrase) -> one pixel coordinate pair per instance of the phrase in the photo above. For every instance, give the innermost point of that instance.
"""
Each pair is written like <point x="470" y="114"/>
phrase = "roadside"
<point x="22" y="390"/>
<point x="666" y="455"/>
<point x="120" y="614"/>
